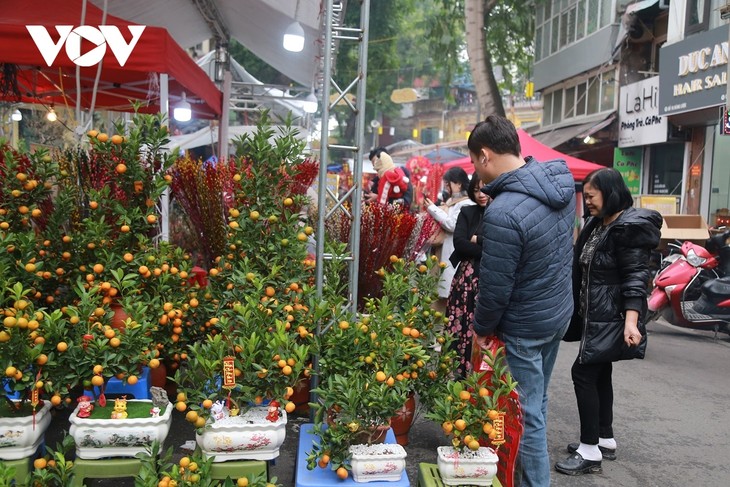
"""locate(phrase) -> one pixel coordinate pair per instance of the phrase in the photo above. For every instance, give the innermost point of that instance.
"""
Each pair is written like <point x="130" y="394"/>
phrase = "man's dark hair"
<point x="377" y="151"/>
<point x="457" y="175"/>
<point x="496" y="134"/>
<point x="616" y="195"/>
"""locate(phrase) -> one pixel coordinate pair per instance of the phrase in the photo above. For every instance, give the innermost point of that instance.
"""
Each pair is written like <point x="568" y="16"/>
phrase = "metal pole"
<point x="165" y="198"/>
<point x="223" y="128"/>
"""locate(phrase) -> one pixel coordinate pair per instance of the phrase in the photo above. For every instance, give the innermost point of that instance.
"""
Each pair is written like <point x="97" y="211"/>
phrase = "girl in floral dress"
<point x="465" y="258"/>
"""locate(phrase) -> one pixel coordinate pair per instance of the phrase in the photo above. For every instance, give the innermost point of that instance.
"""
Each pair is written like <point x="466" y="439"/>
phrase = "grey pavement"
<point x="672" y="419"/>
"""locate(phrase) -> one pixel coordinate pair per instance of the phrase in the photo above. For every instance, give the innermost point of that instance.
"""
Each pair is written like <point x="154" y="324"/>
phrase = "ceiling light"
<point x="183" y="112"/>
<point x="310" y="104"/>
<point x="294" y="37"/>
<point x="589" y="140"/>
<point x="16" y="116"/>
<point x="51" y="115"/>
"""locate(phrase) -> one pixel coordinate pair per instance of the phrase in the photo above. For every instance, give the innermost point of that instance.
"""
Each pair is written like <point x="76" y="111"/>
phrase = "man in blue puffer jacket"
<point x="525" y="292"/>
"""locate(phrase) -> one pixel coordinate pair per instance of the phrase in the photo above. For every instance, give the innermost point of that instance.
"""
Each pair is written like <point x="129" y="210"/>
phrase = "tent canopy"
<point x="257" y="24"/>
<point x="531" y="147"/>
<point x="155" y="52"/>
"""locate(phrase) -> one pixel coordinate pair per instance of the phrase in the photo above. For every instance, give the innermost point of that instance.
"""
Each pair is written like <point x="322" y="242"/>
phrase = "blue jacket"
<point x="525" y="288"/>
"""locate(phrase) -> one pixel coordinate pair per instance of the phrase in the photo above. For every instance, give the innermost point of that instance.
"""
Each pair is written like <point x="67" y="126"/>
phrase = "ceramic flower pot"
<point x="403" y="420"/>
<point x="20" y="437"/>
<point x="468" y="467"/>
<point x="249" y="436"/>
<point x="383" y="462"/>
<point x="98" y="438"/>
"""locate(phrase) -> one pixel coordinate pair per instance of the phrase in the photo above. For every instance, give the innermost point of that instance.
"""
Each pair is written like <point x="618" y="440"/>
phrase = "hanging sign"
<point x="639" y="119"/>
<point x="628" y="163"/>
<point x="229" y="373"/>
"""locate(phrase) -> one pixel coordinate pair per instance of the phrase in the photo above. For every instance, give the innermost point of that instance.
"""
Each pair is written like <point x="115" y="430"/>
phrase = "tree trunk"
<point x="490" y="100"/>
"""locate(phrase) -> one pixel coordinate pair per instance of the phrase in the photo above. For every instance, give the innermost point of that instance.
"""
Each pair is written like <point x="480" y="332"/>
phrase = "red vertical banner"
<point x="229" y="373"/>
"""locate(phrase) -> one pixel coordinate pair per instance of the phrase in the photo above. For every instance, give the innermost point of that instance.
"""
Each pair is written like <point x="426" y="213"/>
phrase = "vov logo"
<point x="71" y="37"/>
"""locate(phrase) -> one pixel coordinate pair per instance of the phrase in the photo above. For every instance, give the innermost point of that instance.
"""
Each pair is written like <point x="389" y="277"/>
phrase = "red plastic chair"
<point x="513" y="427"/>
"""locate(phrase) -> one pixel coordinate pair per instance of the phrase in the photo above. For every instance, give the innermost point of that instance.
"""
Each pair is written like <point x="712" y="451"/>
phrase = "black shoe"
<point x="608" y="453"/>
<point x="576" y="465"/>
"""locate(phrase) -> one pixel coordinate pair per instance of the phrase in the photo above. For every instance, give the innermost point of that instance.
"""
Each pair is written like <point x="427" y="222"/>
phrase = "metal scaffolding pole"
<point x="336" y="32"/>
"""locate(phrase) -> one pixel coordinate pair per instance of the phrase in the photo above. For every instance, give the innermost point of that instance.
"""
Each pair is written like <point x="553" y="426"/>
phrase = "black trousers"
<point x="594" y="392"/>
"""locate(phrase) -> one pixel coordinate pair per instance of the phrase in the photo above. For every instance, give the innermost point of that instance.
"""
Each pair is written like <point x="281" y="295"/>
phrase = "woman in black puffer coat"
<point x="610" y="280"/>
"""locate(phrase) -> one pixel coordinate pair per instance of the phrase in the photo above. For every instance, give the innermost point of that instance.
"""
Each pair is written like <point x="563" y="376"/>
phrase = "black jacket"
<point x="618" y="280"/>
<point x="467" y="225"/>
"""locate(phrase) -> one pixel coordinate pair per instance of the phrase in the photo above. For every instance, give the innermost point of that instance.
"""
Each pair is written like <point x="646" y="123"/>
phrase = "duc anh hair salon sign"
<point x="638" y="114"/>
<point x="693" y="72"/>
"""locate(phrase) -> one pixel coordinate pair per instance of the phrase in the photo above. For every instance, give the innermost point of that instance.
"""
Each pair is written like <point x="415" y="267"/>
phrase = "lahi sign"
<point x="105" y="35"/>
<point x="639" y="119"/>
<point x="693" y="72"/>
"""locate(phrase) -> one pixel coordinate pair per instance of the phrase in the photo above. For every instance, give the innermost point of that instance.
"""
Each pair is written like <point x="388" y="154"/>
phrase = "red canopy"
<point x="155" y="52"/>
<point x="531" y="147"/>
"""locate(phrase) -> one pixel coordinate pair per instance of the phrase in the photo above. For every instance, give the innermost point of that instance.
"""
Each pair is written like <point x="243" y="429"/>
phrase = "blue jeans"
<point x="531" y="362"/>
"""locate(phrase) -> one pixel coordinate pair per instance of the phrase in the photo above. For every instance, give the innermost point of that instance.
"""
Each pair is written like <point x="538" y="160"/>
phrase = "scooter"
<point x="714" y="303"/>
<point x="678" y="286"/>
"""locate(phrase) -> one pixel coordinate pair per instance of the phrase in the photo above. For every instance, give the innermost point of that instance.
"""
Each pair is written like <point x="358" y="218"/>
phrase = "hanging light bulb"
<point x="310" y="104"/>
<point x="16" y="116"/>
<point x="294" y="37"/>
<point x="51" y="115"/>
<point x="183" y="112"/>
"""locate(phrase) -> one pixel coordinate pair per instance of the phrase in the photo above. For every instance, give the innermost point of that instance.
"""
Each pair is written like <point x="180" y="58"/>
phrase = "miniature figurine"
<point x="85" y="406"/>
<point x="120" y="408"/>
<point x="219" y="411"/>
<point x="273" y="415"/>
<point x="155" y="412"/>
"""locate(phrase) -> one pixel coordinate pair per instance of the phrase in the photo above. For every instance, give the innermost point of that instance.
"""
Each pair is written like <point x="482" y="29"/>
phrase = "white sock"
<point x="590" y="452"/>
<point x="609" y="443"/>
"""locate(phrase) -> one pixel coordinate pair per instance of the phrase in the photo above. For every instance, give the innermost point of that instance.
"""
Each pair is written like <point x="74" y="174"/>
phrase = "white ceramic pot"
<point x="98" y="438"/>
<point x="19" y="438"/>
<point x="467" y="467"/>
<point x="382" y="462"/>
<point x="249" y="436"/>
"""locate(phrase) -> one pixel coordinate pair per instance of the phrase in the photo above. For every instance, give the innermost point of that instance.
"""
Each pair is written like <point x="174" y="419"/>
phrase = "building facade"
<point x="638" y="85"/>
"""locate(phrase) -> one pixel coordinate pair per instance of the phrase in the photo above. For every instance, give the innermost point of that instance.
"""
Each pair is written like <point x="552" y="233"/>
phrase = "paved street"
<point x="672" y="419"/>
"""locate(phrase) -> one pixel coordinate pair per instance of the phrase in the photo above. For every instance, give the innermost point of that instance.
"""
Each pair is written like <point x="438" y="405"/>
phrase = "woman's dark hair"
<point x="496" y="134"/>
<point x="474" y="186"/>
<point x="457" y="175"/>
<point x="616" y="195"/>
<point x="376" y="152"/>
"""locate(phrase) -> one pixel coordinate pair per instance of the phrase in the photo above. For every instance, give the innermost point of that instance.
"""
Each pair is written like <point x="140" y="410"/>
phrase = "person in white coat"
<point x="456" y="182"/>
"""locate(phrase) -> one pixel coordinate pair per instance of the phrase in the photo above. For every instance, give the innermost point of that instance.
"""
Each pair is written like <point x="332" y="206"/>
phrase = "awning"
<point x="557" y="136"/>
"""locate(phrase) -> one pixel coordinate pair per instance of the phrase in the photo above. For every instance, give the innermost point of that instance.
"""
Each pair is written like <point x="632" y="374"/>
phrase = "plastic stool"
<point x="238" y="468"/>
<point x="105" y="468"/>
<point x="141" y="390"/>
<point x="428" y="476"/>
<point x="22" y="468"/>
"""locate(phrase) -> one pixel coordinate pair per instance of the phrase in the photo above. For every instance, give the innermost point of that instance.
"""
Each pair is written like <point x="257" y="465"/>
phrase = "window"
<point x="594" y="90"/>
<point x="697" y="16"/>
<point x="558" y="106"/>
<point x="608" y="14"/>
<point x="560" y="23"/>
<point x="608" y="91"/>
<point x="547" y="109"/>
<point x="580" y="100"/>
<point x="570" y="102"/>
<point x="592" y="16"/>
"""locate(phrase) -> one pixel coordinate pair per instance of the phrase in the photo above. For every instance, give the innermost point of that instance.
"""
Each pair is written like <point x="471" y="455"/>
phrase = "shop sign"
<point x="105" y="35"/>
<point x="628" y="163"/>
<point x="639" y="119"/>
<point x="693" y="72"/>
<point x="724" y="121"/>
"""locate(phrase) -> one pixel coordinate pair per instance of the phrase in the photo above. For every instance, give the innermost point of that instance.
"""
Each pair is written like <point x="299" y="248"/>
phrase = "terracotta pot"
<point x="119" y="316"/>
<point x="158" y="376"/>
<point x="301" y="394"/>
<point x="403" y="420"/>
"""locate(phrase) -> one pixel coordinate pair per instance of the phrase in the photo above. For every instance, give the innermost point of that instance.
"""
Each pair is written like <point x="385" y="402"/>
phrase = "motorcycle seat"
<point x="717" y="290"/>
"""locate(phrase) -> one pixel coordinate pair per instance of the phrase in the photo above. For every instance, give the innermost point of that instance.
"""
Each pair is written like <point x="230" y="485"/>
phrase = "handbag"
<point x="609" y="345"/>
